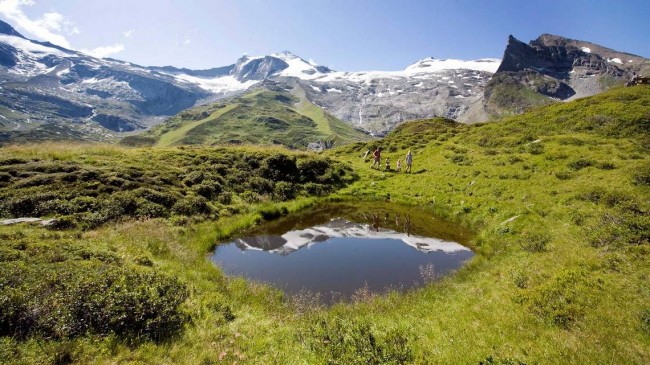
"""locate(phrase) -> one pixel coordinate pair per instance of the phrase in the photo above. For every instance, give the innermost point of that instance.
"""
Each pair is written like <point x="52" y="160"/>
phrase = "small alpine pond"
<point x="339" y="249"/>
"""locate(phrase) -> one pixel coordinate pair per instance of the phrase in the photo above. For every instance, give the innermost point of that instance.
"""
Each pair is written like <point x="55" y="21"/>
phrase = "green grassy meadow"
<point x="558" y="200"/>
<point x="267" y="116"/>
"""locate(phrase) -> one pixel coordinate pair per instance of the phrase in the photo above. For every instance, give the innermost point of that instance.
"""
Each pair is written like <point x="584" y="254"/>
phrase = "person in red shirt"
<point x="377" y="157"/>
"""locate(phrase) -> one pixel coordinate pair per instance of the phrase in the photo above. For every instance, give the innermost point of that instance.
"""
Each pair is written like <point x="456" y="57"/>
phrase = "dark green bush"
<point x="225" y="198"/>
<point x="89" y="175"/>
<point x="37" y="180"/>
<point x="24" y="205"/>
<point x="606" y="166"/>
<point x="280" y="167"/>
<point x="166" y="199"/>
<point x="204" y="190"/>
<point x="65" y="302"/>
<point x="148" y="209"/>
<point x="284" y="191"/>
<point x="94" y="192"/>
<point x="193" y="178"/>
<point x="260" y="185"/>
<point x="580" y="164"/>
<point x="491" y="360"/>
<point x="64" y="222"/>
<point x="191" y="206"/>
<point x="564" y="175"/>
<point x="315" y="189"/>
<point x="311" y="168"/>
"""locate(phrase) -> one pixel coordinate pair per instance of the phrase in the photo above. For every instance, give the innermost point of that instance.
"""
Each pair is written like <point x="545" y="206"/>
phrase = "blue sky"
<point x="347" y="35"/>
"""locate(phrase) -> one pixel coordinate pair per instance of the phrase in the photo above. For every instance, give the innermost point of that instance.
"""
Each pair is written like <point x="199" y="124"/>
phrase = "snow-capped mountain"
<point x="378" y="100"/>
<point x="49" y="92"/>
<point x="372" y="100"/>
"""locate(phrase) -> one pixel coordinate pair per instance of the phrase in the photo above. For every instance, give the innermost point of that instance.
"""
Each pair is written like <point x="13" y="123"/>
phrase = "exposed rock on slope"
<point x="556" y="68"/>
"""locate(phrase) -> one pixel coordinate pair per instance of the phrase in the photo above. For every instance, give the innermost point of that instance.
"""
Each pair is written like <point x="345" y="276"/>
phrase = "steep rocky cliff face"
<point x="553" y="68"/>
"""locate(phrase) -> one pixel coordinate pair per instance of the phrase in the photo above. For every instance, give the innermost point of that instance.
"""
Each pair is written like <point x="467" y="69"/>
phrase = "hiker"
<point x="398" y="166"/>
<point x="387" y="164"/>
<point x="409" y="161"/>
<point x="377" y="157"/>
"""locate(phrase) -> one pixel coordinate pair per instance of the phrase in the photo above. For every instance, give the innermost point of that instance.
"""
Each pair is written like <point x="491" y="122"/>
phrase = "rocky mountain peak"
<point x="556" y="68"/>
<point x="257" y="68"/>
<point x="7" y="29"/>
<point x="285" y="55"/>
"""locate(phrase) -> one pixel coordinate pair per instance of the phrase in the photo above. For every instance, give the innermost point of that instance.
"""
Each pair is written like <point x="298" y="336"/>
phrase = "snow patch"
<point x="93" y="80"/>
<point x="29" y="47"/>
<point x="423" y="69"/>
<point x="223" y="84"/>
<point x="615" y="60"/>
<point x="334" y="90"/>
<point x="586" y="49"/>
<point x="298" y="67"/>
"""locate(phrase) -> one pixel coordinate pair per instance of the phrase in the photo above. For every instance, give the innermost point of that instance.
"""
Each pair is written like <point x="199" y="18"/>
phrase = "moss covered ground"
<point x="558" y="200"/>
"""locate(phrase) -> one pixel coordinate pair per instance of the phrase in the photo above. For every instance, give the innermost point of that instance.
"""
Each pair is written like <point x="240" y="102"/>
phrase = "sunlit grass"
<point x="560" y="215"/>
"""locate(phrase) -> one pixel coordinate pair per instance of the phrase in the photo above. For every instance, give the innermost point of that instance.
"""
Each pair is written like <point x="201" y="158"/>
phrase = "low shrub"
<point x="534" y="241"/>
<point x="645" y="320"/>
<point x="184" y="207"/>
<point x="580" y="164"/>
<point x="564" y="298"/>
<point x="284" y="191"/>
<point x="356" y="342"/>
<point x="535" y="148"/>
<point x="193" y="178"/>
<point x="642" y="176"/>
<point x="58" y="302"/>
<point x="491" y="360"/>
<point x="563" y="175"/>
<point x="5" y="176"/>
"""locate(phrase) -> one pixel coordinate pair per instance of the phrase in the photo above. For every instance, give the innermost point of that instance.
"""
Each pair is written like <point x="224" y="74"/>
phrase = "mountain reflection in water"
<point x="341" y="228"/>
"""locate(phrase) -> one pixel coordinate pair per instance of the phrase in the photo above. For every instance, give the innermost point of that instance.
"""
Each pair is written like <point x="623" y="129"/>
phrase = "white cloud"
<point x="105" y="51"/>
<point x="127" y="33"/>
<point x="48" y="27"/>
<point x="51" y="27"/>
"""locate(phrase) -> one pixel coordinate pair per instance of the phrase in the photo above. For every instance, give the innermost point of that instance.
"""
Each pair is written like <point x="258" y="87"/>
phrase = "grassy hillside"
<point x="267" y="116"/>
<point x="558" y="199"/>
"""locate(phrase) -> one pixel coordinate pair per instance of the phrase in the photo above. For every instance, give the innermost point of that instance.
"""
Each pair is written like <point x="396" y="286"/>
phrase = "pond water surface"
<point x="339" y="249"/>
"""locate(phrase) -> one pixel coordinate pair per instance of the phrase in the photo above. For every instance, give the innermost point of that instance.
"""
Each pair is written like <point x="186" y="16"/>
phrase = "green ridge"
<point x="264" y="116"/>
